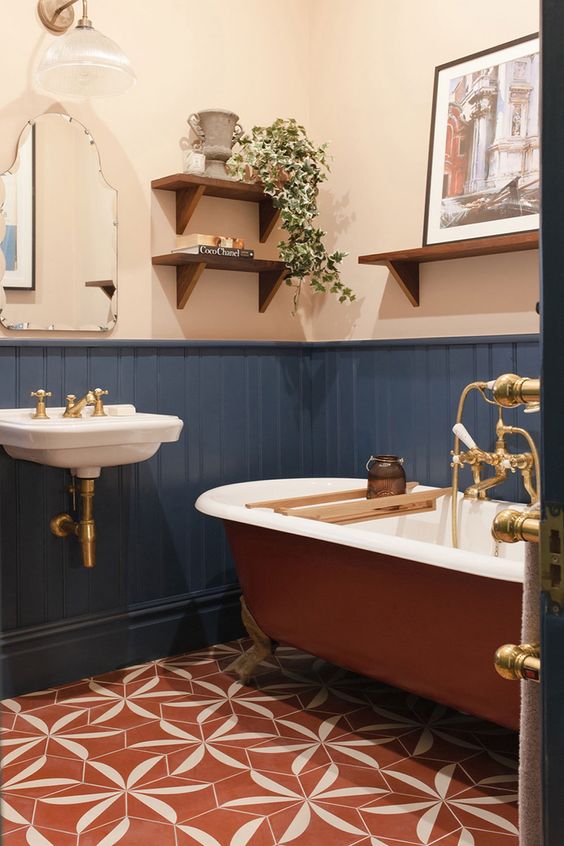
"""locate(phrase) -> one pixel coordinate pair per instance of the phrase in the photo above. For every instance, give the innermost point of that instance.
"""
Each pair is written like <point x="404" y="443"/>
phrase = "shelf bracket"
<point x="187" y="276"/>
<point x="269" y="283"/>
<point x="186" y="202"/>
<point x="268" y="218"/>
<point x="406" y="274"/>
<point x="106" y="285"/>
<point x="109" y="290"/>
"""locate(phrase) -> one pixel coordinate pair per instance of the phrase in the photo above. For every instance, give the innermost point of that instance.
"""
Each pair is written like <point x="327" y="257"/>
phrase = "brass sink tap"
<point x="40" y="412"/>
<point x="75" y="407"/>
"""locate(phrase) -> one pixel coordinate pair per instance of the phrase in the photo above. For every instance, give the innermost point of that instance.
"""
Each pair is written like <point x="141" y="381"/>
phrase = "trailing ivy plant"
<point x="291" y="168"/>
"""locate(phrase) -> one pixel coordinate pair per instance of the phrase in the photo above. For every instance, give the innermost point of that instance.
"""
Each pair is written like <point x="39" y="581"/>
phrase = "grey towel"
<point x="530" y="806"/>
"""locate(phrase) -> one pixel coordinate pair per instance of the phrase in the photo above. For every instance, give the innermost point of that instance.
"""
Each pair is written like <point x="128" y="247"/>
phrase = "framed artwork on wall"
<point x="483" y="174"/>
<point x="18" y="210"/>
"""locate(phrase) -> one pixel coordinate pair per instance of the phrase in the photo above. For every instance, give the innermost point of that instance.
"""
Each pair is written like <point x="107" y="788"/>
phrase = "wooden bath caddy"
<point x="343" y="507"/>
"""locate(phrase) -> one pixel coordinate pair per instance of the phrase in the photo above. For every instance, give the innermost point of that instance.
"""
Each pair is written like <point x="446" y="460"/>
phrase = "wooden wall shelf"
<point x="189" y="268"/>
<point x="404" y="264"/>
<point x="190" y="189"/>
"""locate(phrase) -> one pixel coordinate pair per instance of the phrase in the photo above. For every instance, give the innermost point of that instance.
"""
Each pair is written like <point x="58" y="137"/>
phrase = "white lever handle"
<point x="490" y="385"/>
<point x="462" y="432"/>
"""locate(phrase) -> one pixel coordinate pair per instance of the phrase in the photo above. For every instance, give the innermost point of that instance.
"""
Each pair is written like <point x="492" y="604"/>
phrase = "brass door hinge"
<point x="552" y="556"/>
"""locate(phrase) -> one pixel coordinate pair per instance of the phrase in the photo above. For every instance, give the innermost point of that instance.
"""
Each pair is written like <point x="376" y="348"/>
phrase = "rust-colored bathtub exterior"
<point x="425" y="629"/>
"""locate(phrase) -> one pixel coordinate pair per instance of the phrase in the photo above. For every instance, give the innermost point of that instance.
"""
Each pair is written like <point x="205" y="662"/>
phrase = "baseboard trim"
<point x="47" y="655"/>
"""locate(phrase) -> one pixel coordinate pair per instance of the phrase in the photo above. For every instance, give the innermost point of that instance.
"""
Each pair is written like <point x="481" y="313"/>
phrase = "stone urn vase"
<point x="217" y="130"/>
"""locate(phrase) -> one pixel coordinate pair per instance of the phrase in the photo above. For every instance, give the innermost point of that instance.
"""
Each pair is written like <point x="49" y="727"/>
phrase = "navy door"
<point x="552" y="426"/>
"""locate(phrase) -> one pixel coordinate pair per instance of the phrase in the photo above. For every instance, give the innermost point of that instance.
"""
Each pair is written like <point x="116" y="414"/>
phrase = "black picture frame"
<point x="473" y="208"/>
<point x="31" y="240"/>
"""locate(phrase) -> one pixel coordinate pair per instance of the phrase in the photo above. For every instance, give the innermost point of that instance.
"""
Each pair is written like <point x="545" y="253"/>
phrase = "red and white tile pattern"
<point x="177" y="753"/>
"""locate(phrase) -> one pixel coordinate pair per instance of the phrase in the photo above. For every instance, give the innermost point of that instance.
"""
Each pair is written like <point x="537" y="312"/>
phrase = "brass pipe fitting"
<point x="511" y="526"/>
<point x="511" y="390"/>
<point x="62" y="525"/>
<point x="84" y="529"/>
<point x="516" y="663"/>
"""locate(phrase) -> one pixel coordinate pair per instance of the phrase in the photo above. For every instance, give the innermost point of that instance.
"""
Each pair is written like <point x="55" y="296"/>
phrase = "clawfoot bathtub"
<point x="389" y="598"/>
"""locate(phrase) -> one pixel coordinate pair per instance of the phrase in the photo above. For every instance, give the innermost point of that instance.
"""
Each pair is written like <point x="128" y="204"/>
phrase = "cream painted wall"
<point x="373" y="82"/>
<point x="358" y="73"/>
<point x="247" y="55"/>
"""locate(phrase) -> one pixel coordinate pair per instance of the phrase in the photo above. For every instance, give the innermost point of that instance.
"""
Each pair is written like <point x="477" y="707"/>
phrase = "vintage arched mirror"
<point x="58" y="232"/>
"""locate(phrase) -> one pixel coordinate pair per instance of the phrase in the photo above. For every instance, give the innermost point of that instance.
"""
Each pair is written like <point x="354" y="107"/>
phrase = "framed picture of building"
<point x="18" y="210"/>
<point x="483" y="175"/>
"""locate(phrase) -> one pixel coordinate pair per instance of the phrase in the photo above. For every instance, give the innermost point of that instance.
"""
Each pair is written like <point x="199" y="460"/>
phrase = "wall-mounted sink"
<point x="86" y="444"/>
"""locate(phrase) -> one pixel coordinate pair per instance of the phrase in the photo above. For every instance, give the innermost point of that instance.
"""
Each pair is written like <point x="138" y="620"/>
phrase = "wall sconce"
<point x="83" y="62"/>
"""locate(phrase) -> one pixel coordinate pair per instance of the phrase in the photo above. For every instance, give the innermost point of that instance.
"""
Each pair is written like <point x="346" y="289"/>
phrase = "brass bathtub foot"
<point x="262" y="647"/>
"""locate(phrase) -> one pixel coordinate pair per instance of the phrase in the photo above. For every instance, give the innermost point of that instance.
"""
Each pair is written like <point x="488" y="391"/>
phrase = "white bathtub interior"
<point x="475" y="520"/>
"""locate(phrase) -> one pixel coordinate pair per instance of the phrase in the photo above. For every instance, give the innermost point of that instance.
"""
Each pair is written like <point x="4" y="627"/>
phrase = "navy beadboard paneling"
<point x="165" y="581"/>
<point x="247" y="415"/>
<point x="402" y="399"/>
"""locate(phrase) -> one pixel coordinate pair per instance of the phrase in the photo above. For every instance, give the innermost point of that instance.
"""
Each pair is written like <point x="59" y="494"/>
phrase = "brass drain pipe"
<point x="84" y="529"/>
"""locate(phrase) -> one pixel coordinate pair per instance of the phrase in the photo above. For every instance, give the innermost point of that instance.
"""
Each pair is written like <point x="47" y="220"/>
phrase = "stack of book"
<point x="213" y="245"/>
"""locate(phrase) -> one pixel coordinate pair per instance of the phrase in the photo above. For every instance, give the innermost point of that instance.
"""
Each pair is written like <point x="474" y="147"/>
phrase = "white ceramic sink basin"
<point x="84" y="445"/>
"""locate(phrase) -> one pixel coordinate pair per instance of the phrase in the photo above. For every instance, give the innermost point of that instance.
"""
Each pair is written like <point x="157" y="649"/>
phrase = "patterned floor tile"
<point x="176" y="752"/>
<point x="33" y="836"/>
<point x="223" y="828"/>
<point x="40" y="777"/>
<point x="30" y="701"/>
<point x="490" y="770"/>
<point x="17" y="812"/>
<point x="79" y="809"/>
<point x="131" y="832"/>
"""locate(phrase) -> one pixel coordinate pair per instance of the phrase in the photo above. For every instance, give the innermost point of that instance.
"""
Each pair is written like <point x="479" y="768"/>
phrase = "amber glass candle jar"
<point x="386" y="476"/>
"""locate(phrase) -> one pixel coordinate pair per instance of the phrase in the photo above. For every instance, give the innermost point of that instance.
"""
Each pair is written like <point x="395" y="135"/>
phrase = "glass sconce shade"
<point x="85" y="63"/>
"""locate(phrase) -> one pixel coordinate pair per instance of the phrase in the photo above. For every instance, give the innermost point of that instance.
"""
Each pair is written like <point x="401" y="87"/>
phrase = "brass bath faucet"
<point x="75" y="407"/>
<point x="500" y="459"/>
<point x="507" y="391"/>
